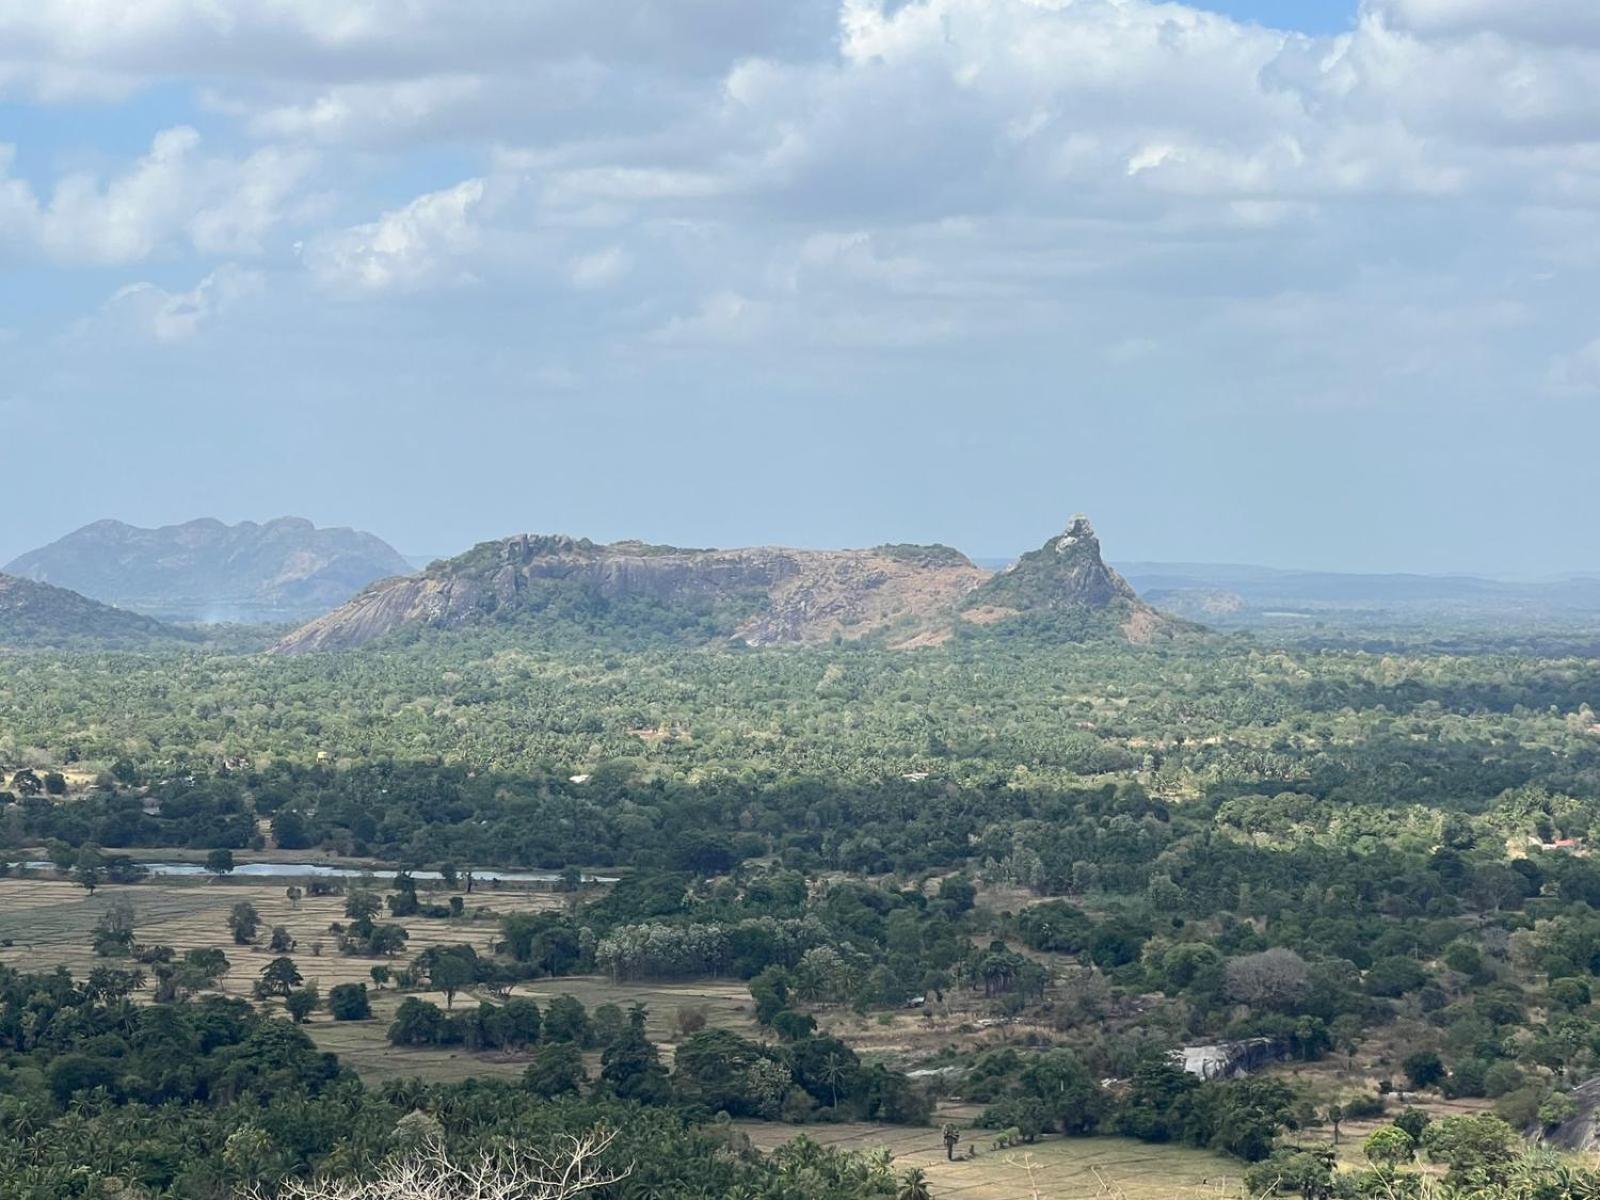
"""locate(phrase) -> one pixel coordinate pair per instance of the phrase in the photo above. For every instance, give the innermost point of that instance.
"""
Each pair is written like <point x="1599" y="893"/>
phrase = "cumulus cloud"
<point x="427" y="243"/>
<point x="172" y="194"/>
<point x="836" y="171"/>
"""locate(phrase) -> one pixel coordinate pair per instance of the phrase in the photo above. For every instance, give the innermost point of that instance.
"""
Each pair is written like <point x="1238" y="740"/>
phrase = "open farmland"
<point x="50" y="921"/>
<point x="1062" y="1168"/>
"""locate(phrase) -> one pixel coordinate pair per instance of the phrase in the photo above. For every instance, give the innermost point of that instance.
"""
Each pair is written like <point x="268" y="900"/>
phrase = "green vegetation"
<point x="1040" y="867"/>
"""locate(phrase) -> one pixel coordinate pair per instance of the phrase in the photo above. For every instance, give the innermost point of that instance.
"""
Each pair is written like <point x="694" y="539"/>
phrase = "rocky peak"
<point x="1066" y="575"/>
<point x="1078" y="538"/>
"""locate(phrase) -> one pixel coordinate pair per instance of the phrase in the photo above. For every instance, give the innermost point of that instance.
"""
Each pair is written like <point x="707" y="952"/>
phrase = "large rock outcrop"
<point x="764" y="595"/>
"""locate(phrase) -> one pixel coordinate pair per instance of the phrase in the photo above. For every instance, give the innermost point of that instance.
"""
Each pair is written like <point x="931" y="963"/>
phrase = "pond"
<point x="326" y="871"/>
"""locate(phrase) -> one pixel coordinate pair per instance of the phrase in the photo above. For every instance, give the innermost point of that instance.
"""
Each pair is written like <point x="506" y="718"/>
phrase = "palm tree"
<point x="914" y="1186"/>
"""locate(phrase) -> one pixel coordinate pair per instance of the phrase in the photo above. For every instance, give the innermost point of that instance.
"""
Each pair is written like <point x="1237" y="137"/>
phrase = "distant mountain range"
<point x="206" y="571"/>
<point x="1244" y="595"/>
<point x="38" y="616"/>
<point x="102" y="585"/>
<point x="761" y="596"/>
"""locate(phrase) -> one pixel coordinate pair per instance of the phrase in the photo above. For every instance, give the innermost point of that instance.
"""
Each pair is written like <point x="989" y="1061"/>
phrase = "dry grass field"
<point x="49" y="923"/>
<point x="1100" y="1168"/>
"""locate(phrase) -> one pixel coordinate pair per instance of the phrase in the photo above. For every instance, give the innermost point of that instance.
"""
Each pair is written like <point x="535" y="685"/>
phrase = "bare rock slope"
<point x="763" y="595"/>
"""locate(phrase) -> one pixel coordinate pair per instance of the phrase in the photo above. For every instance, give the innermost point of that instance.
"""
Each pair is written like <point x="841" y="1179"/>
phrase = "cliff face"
<point x="763" y="595"/>
<point x="204" y="570"/>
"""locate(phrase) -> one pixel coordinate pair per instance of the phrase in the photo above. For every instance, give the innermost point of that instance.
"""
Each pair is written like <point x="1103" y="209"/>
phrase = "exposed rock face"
<point x="203" y="570"/>
<point x="1068" y="575"/>
<point x="1580" y="1132"/>
<point x="764" y="595"/>
<point x="1227" y="1060"/>
<point x="38" y="616"/>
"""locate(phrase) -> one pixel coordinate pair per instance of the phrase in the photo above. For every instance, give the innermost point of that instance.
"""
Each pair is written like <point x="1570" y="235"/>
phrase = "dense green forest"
<point x="1338" y="853"/>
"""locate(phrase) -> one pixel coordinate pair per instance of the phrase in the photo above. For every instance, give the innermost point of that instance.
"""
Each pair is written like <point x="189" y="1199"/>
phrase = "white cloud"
<point x="1560" y="22"/>
<point x="149" y="312"/>
<point x="601" y="269"/>
<point x="171" y="195"/>
<point x="723" y="319"/>
<point x="428" y="243"/>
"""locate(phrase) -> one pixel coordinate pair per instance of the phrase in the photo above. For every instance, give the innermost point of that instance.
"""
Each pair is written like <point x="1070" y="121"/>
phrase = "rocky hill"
<point x="1066" y="585"/>
<point x="283" y="570"/>
<point x="36" y="616"/>
<point x="762" y="596"/>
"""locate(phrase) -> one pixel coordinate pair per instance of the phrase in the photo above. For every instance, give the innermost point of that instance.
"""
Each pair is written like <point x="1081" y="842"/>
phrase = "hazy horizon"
<point x="991" y="557"/>
<point x="1305" y="286"/>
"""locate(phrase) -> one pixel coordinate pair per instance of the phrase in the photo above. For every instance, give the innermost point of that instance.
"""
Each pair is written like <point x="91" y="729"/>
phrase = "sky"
<point x="1303" y="283"/>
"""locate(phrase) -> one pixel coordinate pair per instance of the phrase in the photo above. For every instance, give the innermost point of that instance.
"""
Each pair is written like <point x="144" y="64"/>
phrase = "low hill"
<point x="37" y="616"/>
<point x="283" y="570"/>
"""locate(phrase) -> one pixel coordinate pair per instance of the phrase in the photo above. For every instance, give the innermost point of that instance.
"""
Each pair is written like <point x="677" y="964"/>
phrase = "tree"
<point x="220" y="863"/>
<point x="416" y="1023"/>
<point x="556" y="1070"/>
<point x="245" y="922"/>
<point x="1478" y="1150"/>
<point x="566" y="1021"/>
<point x="387" y="940"/>
<point x="1307" y="1173"/>
<point x="301" y="1003"/>
<point x="914" y="1186"/>
<point x="349" y="1002"/>
<point x="1073" y="1096"/>
<point x="1272" y="979"/>
<point x="282" y="941"/>
<point x="89" y="869"/>
<point x="1423" y="1068"/>
<point x="1335" y="1118"/>
<point x="279" y="977"/>
<point x="449" y="973"/>
<point x="950" y="1135"/>
<point x="363" y="906"/>
<point x="295" y="893"/>
<point x="631" y="1067"/>
<point x="113" y="932"/>
<point x="1388" y="1147"/>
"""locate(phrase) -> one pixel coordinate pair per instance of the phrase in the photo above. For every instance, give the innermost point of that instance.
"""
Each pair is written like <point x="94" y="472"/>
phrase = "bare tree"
<point x="510" y="1172"/>
<point x="1269" y="979"/>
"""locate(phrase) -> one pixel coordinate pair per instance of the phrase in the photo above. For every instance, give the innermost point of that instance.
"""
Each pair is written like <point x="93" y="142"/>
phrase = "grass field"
<point x="49" y="923"/>
<point x="1062" y="1168"/>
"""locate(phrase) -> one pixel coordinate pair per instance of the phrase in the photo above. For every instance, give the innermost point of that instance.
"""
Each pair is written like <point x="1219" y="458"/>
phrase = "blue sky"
<point x="1307" y="16"/>
<point x="1303" y="284"/>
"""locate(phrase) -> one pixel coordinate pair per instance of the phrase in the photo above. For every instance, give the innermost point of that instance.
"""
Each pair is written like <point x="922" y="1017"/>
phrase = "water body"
<point x="325" y="871"/>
